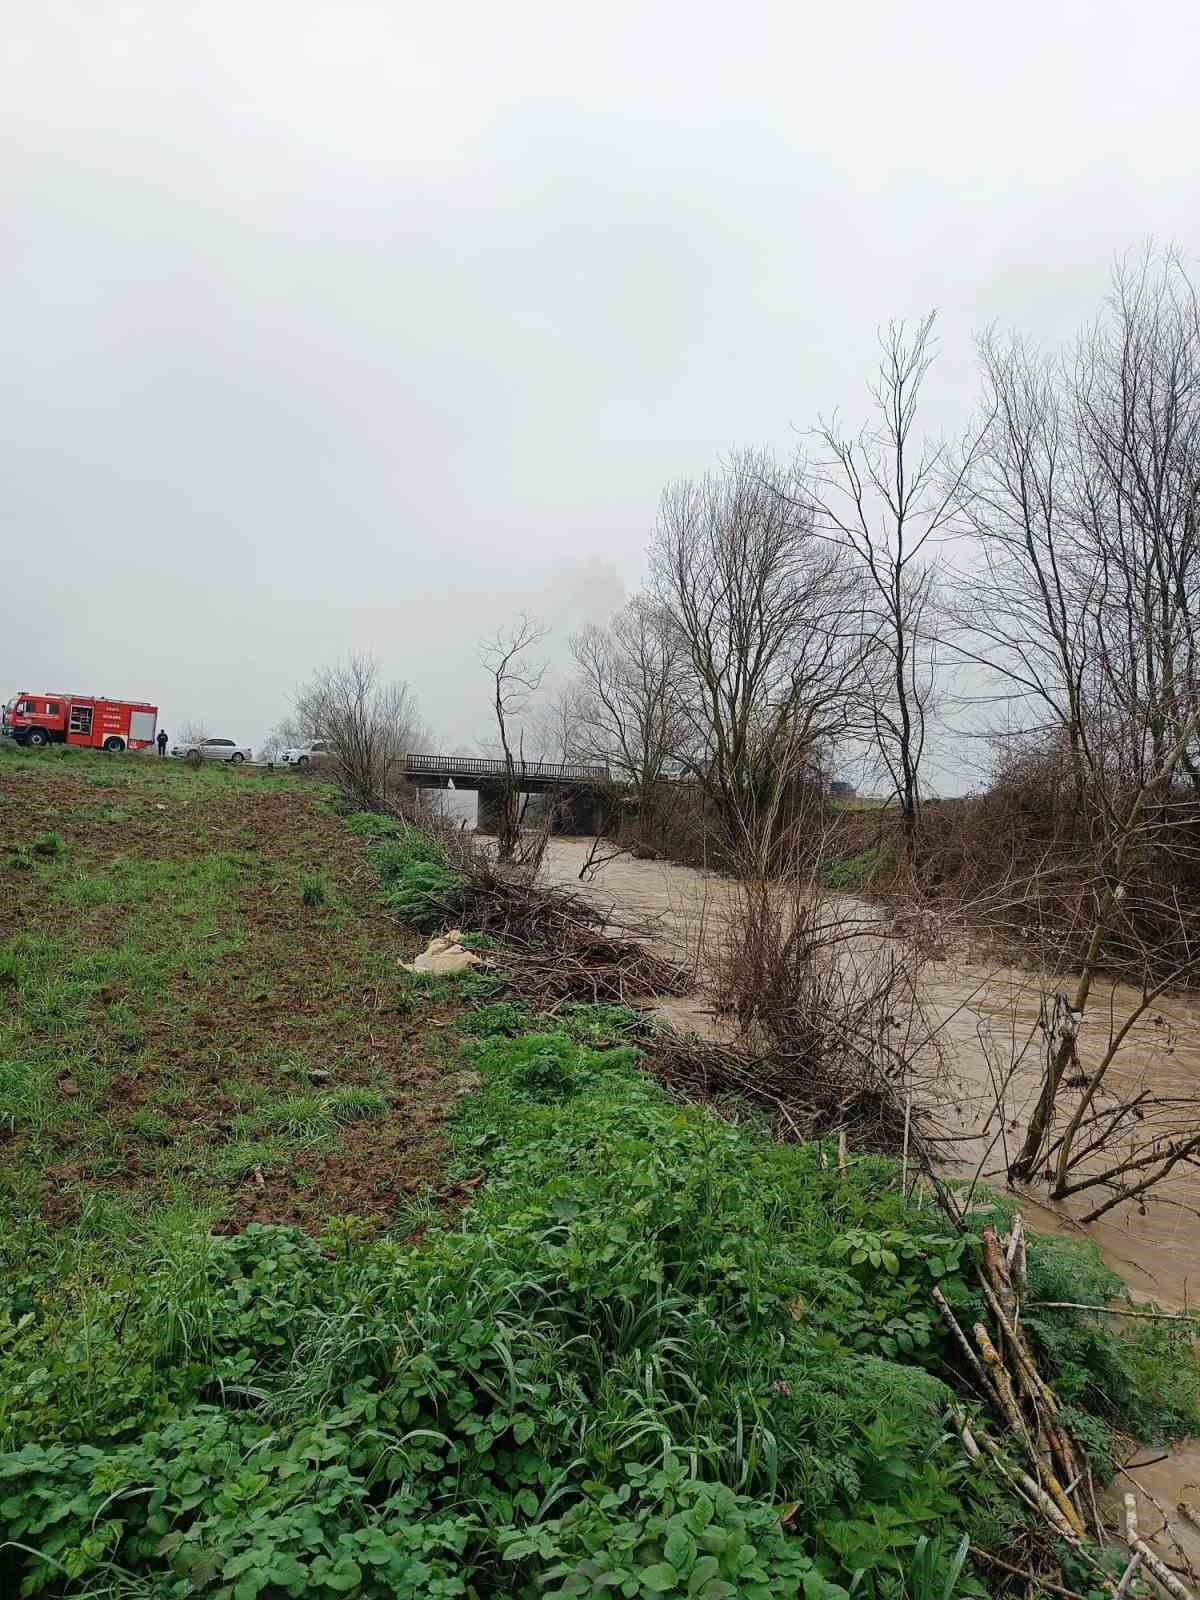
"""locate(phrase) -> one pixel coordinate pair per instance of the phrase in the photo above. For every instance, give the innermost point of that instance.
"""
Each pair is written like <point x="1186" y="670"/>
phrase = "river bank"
<point x="986" y="1012"/>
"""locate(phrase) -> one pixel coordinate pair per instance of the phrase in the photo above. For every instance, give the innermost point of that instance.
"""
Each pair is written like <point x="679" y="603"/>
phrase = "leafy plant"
<point x="417" y="883"/>
<point x="503" y="1020"/>
<point x="661" y="1532"/>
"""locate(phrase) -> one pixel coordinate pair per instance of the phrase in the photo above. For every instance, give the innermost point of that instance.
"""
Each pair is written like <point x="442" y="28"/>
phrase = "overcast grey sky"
<point x="361" y="325"/>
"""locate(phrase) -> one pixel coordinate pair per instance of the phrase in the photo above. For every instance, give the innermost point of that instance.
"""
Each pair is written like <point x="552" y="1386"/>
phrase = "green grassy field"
<point x="200" y="1002"/>
<point x="322" y="1281"/>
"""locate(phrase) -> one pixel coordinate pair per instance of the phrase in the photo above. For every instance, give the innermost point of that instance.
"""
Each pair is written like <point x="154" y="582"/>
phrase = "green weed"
<point x="370" y="825"/>
<point x="417" y="883"/>
<point x="314" y="889"/>
<point x="847" y="873"/>
<point x="355" y="1103"/>
<point x="151" y="1125"/>
<point x="304" y="1117"/>
<point x="505" y="1019"/>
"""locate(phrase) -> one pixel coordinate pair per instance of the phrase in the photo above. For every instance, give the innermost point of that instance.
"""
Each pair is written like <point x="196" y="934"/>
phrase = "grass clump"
<point x="417" y="882"/>
<point x="48" y="846"/>
<point x="151" y="1126"/>
<point x="304" y="1117"/>
<point x="356" y="1103"/>
<point x="314" y="889"/>
<point x="242" y="1157"/>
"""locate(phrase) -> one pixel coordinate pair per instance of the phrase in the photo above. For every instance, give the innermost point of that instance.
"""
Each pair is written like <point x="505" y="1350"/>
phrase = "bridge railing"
<point x="490" y="767"/>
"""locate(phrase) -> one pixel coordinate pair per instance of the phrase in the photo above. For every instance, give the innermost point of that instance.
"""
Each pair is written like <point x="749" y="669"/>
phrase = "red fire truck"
<point x="88" y="720"/>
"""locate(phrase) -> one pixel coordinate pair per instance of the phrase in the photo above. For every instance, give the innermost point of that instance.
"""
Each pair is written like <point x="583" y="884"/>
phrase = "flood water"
<point x="987" y="1016"/>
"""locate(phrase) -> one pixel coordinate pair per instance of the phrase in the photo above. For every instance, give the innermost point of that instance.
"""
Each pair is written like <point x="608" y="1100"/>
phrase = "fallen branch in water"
<point x="554" y="943"/>
<point x="1154" y="1565"/>
<point x="1006" y="1371"/>
<point x="1112" y="1311"/>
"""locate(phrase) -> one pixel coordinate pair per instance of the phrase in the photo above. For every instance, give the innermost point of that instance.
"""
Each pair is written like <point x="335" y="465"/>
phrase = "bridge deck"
<point x="471" y="771"/>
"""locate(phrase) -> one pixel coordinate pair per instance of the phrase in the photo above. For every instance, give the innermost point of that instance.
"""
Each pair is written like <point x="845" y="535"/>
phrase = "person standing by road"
<point x="162" y="742"/>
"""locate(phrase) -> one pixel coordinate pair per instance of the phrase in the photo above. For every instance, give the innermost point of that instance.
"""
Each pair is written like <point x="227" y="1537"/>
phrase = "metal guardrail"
<point x="489" y="767"/>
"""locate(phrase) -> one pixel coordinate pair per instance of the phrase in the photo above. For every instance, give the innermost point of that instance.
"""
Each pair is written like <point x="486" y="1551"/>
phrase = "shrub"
<point x="847" y="873"/>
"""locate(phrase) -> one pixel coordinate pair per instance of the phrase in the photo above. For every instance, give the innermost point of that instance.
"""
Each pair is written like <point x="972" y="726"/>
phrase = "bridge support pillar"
<point x="574" y="812"/>
<point x="571" y="811"/>
<point x="488" y="809"/>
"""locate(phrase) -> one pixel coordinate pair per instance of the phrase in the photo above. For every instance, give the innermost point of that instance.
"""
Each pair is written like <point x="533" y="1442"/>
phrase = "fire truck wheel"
<point x="36" y="737"/>
<point x="113" y="745"/>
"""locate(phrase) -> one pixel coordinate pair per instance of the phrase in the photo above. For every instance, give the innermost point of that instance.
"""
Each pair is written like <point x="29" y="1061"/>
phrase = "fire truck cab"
<point x="89" y="721"/>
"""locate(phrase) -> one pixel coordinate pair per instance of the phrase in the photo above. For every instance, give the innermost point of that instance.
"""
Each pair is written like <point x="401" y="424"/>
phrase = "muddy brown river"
<point x="987" y="1016"/>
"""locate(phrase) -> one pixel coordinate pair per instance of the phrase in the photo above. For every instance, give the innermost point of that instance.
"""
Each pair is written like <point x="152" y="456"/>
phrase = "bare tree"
<point x="288" y="731"/>
<point x="192" y="733"/>
<point x="777" y="636"/>
<point x="1024" y="611"/>
<point x="627" y="706"/>
<point x="515" y="680"/>
<point x="368" y="723"/>
<point x="886" y="499"/>
<point x="1082" y="607"/>
<point x="1083" y="498"/>
<point x="1136" y="395"/>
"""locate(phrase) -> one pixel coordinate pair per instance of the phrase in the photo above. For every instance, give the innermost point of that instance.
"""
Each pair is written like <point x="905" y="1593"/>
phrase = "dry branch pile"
<point x="805" y="1099"/>
<point x="555" y="944"/>
<point x="1033" y="1450"/>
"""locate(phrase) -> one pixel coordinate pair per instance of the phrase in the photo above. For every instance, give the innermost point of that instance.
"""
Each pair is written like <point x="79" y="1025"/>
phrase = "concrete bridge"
<point x="574" y="788"/>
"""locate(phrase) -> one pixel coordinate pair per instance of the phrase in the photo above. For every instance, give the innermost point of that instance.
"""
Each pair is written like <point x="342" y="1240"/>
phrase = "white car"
<point x="215" y="750"/>
<point x="300" y="755"/>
